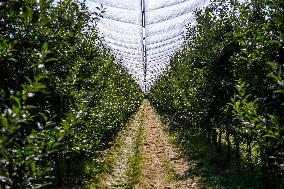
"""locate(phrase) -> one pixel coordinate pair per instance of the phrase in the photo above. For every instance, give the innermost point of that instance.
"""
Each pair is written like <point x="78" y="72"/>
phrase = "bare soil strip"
<point x="162" y="163"/>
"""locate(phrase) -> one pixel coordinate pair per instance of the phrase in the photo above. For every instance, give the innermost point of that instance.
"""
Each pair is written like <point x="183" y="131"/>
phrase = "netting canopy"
<point x="144" y="34"/>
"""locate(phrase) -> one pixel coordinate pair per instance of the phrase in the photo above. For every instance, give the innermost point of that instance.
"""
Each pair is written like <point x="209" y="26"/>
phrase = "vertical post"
<point x="144" y="58"/>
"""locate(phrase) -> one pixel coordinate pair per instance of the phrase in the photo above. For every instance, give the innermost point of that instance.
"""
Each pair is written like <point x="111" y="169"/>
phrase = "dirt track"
<point x="162" y="164"/>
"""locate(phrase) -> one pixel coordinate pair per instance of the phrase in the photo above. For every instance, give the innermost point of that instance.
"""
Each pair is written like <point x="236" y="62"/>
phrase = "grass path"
<point x="163" y="166"/>
<point x="143" y="157"/>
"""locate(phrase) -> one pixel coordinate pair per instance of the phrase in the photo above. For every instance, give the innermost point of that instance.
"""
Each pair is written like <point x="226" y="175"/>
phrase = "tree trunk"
<point x="220" y="139"/>
<point x="237" y="144"/>
<point x="228" y="145"/>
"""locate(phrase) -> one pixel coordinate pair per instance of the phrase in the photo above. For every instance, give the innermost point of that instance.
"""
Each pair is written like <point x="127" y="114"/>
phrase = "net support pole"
<point x="144" y="58"/>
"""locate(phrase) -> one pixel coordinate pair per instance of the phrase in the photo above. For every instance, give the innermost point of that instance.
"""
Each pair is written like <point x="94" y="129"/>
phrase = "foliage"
<point x="62" y="97"/>
<point x="228" y="82"/>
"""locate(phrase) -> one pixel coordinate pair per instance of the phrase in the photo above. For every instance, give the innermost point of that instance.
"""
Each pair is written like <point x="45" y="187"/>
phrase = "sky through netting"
<point x="144" y="34"/>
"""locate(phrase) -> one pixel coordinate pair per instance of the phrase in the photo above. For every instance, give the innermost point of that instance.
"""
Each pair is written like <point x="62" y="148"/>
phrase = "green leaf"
<point x="17" y="105"/>
<point x="270" y="136"/>
<point x="15" y="109"/>
<point x="4" y="121"/>
<point x="40" y="77"/>
<point x="2" y="93"/>
<point x="276" y="77"/>
<point x="12" y="59"/>
<point x="279" y="91"/>
<point x="44" y="49"/>
<point x="45" y="118"/>
<point x="51" y="60"/>
<point x="237" y="106"/>
<point x="28" y="12"/>
<point x="274" y="41"/>
<point x="11" y="46"/>
<point x="33" y="166"/>
<point x="24" y="96"/>
<point x="29" y="140"/>
<point x="66" y="125"/>
<point x="29" y="80"/>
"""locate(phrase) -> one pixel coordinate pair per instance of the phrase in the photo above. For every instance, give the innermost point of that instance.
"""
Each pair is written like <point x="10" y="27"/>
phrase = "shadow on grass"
<point x="209" y="163"/>
<point x="78" y="172"/>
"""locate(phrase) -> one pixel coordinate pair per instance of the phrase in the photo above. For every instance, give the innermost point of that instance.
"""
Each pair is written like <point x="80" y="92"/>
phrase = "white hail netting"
<point x="122" y="31"/>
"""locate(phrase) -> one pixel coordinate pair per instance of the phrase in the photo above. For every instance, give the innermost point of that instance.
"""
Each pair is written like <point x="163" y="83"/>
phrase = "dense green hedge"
<point x="62" y="98"/>
<point x="229" y="82"/>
